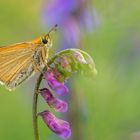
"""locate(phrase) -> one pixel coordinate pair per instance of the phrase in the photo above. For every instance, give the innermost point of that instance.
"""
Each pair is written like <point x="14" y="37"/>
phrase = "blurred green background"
<point x="109" y="103"/>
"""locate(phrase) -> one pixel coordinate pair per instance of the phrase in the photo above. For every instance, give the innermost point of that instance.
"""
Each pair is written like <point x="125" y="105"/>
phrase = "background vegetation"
<point x="109" y="103"/>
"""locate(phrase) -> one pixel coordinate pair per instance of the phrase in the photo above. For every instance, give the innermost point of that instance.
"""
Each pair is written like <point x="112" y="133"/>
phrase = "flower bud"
<point x="79" y="57"/>
<point x="64" y="62"/>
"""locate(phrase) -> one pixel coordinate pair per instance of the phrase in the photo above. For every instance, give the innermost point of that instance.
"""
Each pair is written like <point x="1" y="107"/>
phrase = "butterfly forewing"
<point x="16" y="63"/>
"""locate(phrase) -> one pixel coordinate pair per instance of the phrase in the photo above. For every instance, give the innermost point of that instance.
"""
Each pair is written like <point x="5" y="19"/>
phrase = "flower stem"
<point x="34" y="109"/>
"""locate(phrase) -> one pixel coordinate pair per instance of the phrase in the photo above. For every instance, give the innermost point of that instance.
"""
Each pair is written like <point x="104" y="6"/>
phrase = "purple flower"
<point x="57" y="104"/>
<point x="58" y="126"/>
<point x="63" y="8"/>
<point x="74" y="17"/>
<point x="58" y="87"/>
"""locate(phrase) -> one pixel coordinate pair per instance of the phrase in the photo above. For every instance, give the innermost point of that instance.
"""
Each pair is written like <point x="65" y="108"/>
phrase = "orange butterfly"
<point x="19" y="61"/>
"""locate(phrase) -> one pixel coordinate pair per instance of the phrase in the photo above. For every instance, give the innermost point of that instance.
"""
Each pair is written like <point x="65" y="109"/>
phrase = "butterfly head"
<point x="46" y="39"/>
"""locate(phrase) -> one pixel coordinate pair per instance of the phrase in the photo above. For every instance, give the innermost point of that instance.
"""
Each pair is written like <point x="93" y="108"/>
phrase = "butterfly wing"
<point x="16" y="63"/>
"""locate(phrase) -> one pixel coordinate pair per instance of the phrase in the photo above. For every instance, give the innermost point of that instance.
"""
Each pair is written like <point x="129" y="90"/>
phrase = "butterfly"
<point x="19" y="61"/>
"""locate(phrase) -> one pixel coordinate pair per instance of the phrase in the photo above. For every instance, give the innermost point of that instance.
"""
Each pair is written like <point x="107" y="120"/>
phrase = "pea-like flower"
<point x="58" y="87"/>
<point x="58" y="126"/>
<point x="57" y="104"/>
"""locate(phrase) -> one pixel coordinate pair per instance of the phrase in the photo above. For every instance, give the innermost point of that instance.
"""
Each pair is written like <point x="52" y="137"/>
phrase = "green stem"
<point x="34" y="109"/>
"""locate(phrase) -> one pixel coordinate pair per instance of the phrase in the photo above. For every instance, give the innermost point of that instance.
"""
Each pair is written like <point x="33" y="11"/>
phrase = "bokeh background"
<point x="104" y="108"/>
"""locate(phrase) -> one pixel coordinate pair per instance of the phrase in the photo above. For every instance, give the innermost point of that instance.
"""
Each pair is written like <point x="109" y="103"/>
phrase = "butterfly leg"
<point x="36" y="67"/>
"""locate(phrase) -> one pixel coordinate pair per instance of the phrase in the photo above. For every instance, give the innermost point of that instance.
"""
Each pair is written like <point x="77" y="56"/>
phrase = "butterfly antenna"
<point x="53" y="29"/>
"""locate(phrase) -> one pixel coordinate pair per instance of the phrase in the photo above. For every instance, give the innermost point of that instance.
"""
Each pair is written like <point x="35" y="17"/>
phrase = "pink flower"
<point x="58" y="126"/>
<point x="57" y="104"/>
<point x="58" y="87"/>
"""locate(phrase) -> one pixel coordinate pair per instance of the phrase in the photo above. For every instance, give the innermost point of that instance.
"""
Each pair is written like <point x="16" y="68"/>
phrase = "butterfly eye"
<point x="44" y="41"/>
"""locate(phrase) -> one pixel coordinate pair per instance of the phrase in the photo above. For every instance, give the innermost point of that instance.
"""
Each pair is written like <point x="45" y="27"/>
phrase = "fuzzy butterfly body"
<point x="19" y="61"/>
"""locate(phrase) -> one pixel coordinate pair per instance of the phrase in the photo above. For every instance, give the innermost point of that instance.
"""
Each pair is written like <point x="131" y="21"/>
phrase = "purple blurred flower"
<point x="58" y="87"/>
<point x="57" y="104"/>
<point x="63" y="8"/>
<point x="74" y="17"/>
<point x="58" y="126"/>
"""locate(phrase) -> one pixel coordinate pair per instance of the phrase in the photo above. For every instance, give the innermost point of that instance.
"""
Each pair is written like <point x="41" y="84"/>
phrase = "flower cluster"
<point x="63" y="66"/>
<point x="74" y="17"/>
